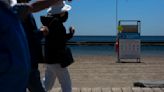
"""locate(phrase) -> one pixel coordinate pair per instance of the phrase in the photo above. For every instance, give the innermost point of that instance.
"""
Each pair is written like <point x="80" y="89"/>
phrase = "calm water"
<point x="113" y="38"/>
<point x="109" y="50"/>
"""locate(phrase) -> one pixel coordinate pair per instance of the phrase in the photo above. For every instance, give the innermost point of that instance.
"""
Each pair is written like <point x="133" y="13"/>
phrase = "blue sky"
<point x="98" y="17"/>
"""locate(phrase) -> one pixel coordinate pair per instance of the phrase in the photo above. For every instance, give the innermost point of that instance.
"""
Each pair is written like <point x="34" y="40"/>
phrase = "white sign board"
<point x="129" y="49"/>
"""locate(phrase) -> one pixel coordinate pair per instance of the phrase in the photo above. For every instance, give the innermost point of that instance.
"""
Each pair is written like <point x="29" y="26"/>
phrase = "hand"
<point x="45" y="30"/>
<point x="71" y="30"/>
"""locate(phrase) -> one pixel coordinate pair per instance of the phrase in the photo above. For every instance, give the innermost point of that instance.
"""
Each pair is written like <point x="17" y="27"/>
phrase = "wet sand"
<point x="103" y="71"/>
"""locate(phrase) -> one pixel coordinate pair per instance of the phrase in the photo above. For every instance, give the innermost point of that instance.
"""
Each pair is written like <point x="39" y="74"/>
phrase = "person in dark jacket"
<point x="34" y="37"/>
<point x="55" y="46"/>
<point x="14" y="51"/>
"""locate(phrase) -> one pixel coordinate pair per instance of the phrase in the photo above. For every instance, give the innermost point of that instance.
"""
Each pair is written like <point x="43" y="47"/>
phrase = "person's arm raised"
<point x="43" y="4"/>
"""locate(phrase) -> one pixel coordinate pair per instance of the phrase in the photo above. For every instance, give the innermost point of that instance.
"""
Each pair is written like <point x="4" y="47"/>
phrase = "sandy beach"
<point x="103" y="71"/>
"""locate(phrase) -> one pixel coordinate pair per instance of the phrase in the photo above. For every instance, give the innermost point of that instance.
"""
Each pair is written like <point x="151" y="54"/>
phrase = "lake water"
<point x="110" y="50"/>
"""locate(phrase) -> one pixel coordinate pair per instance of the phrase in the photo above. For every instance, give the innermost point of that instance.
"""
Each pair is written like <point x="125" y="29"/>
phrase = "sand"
<point x="103" y="71"/>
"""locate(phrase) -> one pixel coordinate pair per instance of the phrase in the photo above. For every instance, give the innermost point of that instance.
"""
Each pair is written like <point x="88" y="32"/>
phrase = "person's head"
<point x="63" y="16"/>
<point x="60" y="11"/>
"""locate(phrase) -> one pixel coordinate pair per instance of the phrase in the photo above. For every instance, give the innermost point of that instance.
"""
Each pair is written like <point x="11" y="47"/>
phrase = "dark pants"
<point x="35" y="84"/>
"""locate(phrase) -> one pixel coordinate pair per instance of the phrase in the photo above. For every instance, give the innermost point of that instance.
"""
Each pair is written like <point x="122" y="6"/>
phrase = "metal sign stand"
<point x="128" y="42"/>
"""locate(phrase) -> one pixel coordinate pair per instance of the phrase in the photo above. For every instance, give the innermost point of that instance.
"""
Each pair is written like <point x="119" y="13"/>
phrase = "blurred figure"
<point x="37" y="5"/>
<point x="34" y="37"/>
<point x="56" y="54"/>
<point x="43" y="4"/>
<point x="14" y="52"/>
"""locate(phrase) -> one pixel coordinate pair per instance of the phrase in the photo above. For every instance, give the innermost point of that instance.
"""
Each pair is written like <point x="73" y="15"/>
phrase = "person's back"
<point x="34" y="37"/>
<point x="14" y="53"/>
<point x="34" y="40"/>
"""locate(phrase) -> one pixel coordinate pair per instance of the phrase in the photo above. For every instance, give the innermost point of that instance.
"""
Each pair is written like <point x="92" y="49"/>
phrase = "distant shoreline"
<point x="113" y="43"/>
<point x="112" y="39"/>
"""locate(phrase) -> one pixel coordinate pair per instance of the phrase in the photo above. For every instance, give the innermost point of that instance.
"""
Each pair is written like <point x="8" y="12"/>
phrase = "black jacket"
<point x="34" y="37"/>
<point x="55" y="42"/>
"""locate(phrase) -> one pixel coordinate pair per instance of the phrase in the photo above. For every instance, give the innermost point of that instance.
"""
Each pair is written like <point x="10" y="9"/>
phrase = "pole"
<point x="117" y="39"/>
<point x="116" y="14"/>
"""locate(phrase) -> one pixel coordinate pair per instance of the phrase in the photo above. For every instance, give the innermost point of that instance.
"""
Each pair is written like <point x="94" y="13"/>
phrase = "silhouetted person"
<point x="14" y="52"/>
<point x="55" y="48"/>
